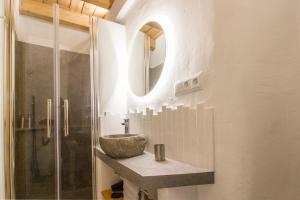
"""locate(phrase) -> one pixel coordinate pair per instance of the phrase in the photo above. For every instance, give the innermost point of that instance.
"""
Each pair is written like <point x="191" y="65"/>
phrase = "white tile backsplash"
<point x="186" y="132"/>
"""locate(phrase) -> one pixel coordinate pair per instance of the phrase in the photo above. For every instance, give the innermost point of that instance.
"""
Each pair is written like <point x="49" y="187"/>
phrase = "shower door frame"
<point x="95" y="98"/>
<point x="8" y="103"/>
<point x="56" y="102"/>
<point x="9" y="94"/>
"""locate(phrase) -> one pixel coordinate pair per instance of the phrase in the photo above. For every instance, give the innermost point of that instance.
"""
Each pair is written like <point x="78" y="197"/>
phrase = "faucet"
<point x="126" y="124"/>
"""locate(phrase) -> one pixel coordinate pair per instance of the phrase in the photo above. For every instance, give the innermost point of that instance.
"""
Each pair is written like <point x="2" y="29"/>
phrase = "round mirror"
<point x="147" y="58"/>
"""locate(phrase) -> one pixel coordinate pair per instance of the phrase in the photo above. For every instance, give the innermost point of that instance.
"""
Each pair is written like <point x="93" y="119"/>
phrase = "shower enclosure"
<point x="53" y="140"/>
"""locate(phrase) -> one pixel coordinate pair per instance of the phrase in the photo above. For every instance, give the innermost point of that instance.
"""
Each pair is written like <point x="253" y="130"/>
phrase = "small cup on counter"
<point x="159" y="151"/>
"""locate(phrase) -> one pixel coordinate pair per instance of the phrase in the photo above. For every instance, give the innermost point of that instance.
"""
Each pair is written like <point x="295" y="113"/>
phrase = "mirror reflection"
<point x="146" y="62"/>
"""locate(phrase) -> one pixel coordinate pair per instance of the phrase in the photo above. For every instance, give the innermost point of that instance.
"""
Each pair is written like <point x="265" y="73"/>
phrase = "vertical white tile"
<point x="159" y="137"/>
<point x="200" y="134"/>
<point x="135" y="120"/>
<point x="176" y="127"/>
<point x="185" y="135"/>
<point x="163" y="125"/>
<point x="209" y="137"/>
<point x="180" y="132"/>
<point x="186" y="132"/>
<point x="192" y="139"/>
<point x="141" y="123"/>
<point x="169" y="141"/>
<point x="146" y="127"/>
<point x="152" y="131"/>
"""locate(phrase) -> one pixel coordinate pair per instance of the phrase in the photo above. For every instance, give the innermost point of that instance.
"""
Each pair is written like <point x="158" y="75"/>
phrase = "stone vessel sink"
<point x="123" y="146"/>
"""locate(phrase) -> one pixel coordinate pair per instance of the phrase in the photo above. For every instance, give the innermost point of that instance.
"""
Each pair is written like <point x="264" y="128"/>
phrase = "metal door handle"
<point x="49" y="117"/>
<point x="66" y="117"/>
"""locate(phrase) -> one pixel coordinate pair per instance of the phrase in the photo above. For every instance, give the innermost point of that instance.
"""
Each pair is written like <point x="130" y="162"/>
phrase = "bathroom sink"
<point x="123" y="145"/>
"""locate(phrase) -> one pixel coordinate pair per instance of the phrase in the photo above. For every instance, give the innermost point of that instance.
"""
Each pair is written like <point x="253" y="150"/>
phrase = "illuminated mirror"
<point x="147" y="58"/>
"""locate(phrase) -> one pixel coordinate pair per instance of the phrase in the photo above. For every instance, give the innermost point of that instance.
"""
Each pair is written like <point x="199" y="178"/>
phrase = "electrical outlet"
<point x="190" y="85"/>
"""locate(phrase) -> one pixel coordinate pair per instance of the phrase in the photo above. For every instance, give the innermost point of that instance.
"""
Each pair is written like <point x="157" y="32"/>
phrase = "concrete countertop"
<point x="151" y="175"/>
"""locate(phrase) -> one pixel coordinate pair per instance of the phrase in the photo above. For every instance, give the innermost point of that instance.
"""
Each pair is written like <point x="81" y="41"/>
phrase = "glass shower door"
<point x="34" y="135"/>
<point x="75" y="98"/>
<point x="53" y="152"/>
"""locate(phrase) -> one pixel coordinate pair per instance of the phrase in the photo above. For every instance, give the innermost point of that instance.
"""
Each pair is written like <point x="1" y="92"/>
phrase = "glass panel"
<point x="75" y="90"/>
<point x="34" y="141"/>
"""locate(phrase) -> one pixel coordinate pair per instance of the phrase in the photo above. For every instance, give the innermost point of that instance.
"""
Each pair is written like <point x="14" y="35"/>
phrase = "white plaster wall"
<point x="185" y="41"/>
<point x="113" y="67"/>
<point x="112" y="58"/>
<point x="188" y="31"/>
<point x="253" y="83"/>
<point x="256" y="91"/>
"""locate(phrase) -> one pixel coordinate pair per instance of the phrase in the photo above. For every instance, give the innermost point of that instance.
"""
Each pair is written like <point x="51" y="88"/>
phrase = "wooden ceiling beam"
<point x="101" y="3"/>
<point x="76" y="6"/>
<point x="153" y="31"/>
<point x="44" y="11"/>
<point x="88" y="9"/>
<point x="64" y="3"/>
